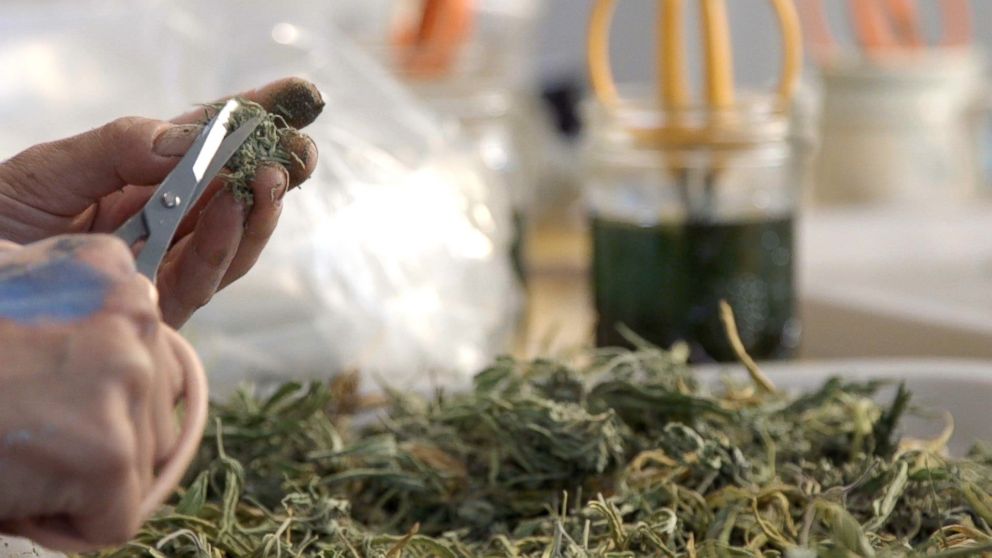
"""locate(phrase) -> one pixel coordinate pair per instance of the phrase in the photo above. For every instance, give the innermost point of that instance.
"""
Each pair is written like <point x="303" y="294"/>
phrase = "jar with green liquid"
<point x="681" y="221"/>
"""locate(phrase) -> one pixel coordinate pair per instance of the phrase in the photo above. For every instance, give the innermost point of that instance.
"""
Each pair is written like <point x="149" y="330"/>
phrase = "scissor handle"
<point x="169" y="474"/>
<point x="886" y="26"/>
<point x="717" y="43"/>
<point x="194" y="422"/>
<point x="429" y="47"/>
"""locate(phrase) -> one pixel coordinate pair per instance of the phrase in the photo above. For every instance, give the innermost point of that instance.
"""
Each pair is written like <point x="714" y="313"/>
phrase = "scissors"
<point x="158" y="220"/>
<point x="887" y="26"/>
<point x="673" y="87"/>
<point x="155" y="225"/>
<point x="429" y="46"/>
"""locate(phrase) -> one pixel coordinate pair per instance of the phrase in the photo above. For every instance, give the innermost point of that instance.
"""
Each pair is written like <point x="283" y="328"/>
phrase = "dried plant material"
<point x="734" y="336"/>
<point x="266" y="145"/>
<point x="625" y="455"/>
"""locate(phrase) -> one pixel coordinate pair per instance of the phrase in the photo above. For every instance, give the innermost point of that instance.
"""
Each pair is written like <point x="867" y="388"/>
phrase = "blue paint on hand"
<point x="59" y="290"/>
<point x="16" y="438"/>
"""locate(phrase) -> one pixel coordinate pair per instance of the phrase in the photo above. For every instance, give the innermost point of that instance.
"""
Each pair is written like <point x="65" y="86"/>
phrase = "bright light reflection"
<point x="285" y="33"/>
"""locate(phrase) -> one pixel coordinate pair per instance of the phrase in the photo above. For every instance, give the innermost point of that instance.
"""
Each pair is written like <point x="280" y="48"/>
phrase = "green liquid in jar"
<point x="665" y="283"/>
<point x="517" y="246"/>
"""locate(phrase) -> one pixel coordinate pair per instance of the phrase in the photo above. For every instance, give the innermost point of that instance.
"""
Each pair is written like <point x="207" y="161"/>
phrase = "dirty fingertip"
<point x="271" y="182"/>
<point x="297" y="100"/>
<point x="302" y="156"/>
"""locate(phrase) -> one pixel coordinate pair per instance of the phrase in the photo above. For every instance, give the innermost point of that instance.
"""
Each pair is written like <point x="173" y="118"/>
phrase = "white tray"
<point x="897" y="281"/>
<point x="963" y="387"/>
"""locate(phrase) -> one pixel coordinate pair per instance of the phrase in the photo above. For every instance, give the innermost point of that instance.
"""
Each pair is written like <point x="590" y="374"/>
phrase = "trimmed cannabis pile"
<point x="265" y="145"/>
<point x="625" y="455"/>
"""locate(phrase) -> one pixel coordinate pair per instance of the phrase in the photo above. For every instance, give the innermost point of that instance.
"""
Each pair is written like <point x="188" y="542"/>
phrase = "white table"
<point x="897" y="282"/>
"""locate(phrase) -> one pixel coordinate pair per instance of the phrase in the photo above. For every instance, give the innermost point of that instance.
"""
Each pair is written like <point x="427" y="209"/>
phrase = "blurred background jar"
<point x="473" y="63"/>
<point x="899" y="129"/>
<point x="680" y="223"/>
<point x="902" y="87"/>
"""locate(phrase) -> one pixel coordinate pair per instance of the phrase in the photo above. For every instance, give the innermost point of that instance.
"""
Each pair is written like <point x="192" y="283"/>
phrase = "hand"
<point x="88" y="385"/>
<point x="94" y="181"/>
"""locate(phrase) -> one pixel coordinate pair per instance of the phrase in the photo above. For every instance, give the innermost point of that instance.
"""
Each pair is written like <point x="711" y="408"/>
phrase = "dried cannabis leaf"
<point x="265" y="145"/>
<point x="623" y="456"/>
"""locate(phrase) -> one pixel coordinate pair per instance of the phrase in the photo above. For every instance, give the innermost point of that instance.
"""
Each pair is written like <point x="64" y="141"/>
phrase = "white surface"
<point x="963" y="387"/>
<point x="898" y="281"/>
<point x="20" y="548"/>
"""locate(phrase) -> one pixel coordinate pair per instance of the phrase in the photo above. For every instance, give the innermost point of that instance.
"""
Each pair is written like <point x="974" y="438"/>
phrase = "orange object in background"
<point x="884" y="27"/>
<point x="429" y="47"/>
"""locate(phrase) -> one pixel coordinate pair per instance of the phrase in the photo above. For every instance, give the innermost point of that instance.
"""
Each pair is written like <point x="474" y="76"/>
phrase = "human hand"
<point x="95" y="181"/>
<point x="89" y="381"/>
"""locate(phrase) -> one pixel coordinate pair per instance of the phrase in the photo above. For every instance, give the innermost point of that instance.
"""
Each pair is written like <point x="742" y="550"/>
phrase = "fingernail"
<point x="282" y="184"/>
<point x="174" y="141"/>
<point x="303" y="151"/>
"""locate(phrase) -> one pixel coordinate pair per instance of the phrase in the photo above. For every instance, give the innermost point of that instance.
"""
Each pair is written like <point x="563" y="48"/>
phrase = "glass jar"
<point x="688" y="209"/>
<point x="492" y="123"/>
<point x="898" y="129"/>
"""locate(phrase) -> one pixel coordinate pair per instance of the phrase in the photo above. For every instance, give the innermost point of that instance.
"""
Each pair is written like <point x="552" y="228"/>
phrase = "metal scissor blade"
<point x="170" y="202"/>
<point x="180" y="182"/>
<point x="231" y="143"/>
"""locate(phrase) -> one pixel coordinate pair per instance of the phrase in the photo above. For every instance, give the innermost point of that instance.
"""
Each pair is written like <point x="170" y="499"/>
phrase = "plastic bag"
<point x="392" y="258"/>
<point x="63" y="69"/>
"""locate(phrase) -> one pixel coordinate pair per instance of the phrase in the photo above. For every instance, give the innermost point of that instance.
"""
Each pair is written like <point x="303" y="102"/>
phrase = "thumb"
<point x="67" y="176"/>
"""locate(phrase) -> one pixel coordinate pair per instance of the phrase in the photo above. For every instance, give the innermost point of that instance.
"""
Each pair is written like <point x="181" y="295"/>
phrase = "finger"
<point x="297" y="100"/>
<point x="143" y="416"/>
<point x="116" y="208"/>
<point x="302" y="162"/>
<point x="54" y="533"/>
<point x="194" y="391"/>
<point x="137" y="299"/>
<point x="166" y="387"/>
<point x="302" y="159"/>
<point x="68" y="176"/>
<point x="113" y="518"/>
<point x="195" y="266"/>
<point x="269" y="187"/>
<point x="120" y="384"/>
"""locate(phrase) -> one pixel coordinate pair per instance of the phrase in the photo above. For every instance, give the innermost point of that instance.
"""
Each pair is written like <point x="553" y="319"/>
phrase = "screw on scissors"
<point x="158" y="220"/>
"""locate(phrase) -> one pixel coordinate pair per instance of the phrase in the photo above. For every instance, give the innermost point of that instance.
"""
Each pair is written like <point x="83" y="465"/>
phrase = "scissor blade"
<point x="231" y="143"/>
<point x="172" y="199"/>
<point x="181" y="181"/>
